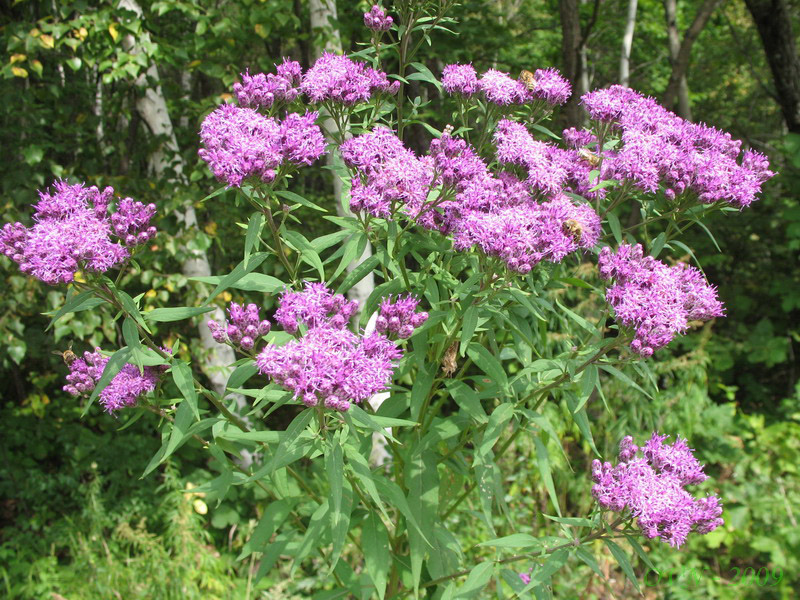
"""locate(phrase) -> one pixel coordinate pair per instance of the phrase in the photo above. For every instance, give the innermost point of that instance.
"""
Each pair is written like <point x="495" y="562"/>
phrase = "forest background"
<point x="75" y="518"/>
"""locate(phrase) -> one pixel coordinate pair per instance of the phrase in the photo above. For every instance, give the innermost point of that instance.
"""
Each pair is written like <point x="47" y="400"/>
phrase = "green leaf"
<point x="468" y="328"/>
<point x="287" y="451"/>
<point x="377" y="553"/>
<point x="543" y="461"/>
<point x="76" y="303"/>
<point x="357" y="274"/>
<point x="424" y="74"/>
<point x="241" y="374"/>
<point x="253" y="231"/>
<point x="515" y="540"/>
<point x="334" y="465"/>
<point x="360" y="467"/>
<point x="168" y="315"/>
<point x="616" y="229"/>
<point x="275" y="515"/>
<point x="624" y="378"/>
<point x="292" y="197"/>
<point x="624" y="562"/>
<point x="488" y="364"/>
<point x="118" y="360"/>
<point x="305" y="249"/>
<point x="658" y="244"/>
<point x="477" y="579"/>
<point x="242" y="269"/>
<point x="421" y="389"/>
<point x="467" y="400"/>
<point x="571" y="521"/>
<point x="314" y="535"/>
<point x="184" y="380"/>
<point x="543" y="574"/>
<point x="252" y="282"/>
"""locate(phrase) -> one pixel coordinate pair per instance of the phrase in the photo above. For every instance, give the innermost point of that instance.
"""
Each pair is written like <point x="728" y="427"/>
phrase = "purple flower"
<point x="578" y="138"/>
<point x="244" y="328"/>
<point x="239" y="143"/>
<point x="328" y="363"/>
<point x="131" y="222"/>
<point x="123" y="390"/>
<point x="500" y="89"/>
<point x="263" y="90"/>
<point x="656" y="300"/>
<point x="316" y="306"/>
<point x="302" y="141"/>
<point x="377" y="20"/>
<point x="551" y="87"/>
<point x="460" y="79"/>
<point x="389" y="175"/>
<point x="339" y="79"/>
<point x="71" y="232"/>
<point x="399" y="317"/>
<point x="547" y="165"/>
<point x="652" y="489"/>
<point x="607" y="104"/>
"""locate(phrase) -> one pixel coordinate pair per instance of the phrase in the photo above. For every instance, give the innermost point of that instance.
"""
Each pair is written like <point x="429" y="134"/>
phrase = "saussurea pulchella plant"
<point x="468" y="332"/>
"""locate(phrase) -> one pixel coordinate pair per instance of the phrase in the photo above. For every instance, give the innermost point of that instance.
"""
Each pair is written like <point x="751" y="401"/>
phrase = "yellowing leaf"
<point x="200" y="507"/>
<point x="226" y="296"/>
<point x="82" y="33"/>
<point x="260" y="31"/>
<point x="211" y="228"/>
<point x="112" y="31"/>
<point x="34" y="32"/>
<point x="47" y="41"/>
<point x="15" y="58"/>
<point x="19" y="72"/>
<point x="150" y="294"/>
<point x="37" y="66"/>
<point x="194" y="63"/>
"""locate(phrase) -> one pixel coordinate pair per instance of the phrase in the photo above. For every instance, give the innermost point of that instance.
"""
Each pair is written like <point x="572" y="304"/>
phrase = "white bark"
<point x="152" y="107"/>
<point x="627" y="44"/>
<point x="323" y="21"/>
<point x="674" y="38"/>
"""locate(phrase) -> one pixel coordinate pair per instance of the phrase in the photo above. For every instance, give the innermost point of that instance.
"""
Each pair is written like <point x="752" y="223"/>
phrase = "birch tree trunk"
<point x="674" y="38"/>
<point x="152" y="107"/>
<point x="323" y="21"/>
<point x="627" y="44"/>
<point x="681" y="63"/>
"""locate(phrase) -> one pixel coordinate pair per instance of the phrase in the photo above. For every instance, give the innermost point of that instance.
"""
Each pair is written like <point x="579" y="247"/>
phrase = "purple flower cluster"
<point x="389" y="174"/>
<point x="499" y="88"/>
<point x="263" y="90"/>
<point x="377" y="20"/>
<point x="243" y="329"/>
<point x="72" y="230"/>
<point x="123" y="390"/>
<point x="328" y="363"/>
<point x="460" y="79"/>
<point x="316" y="306"/>
<point x="652" y="489"/>
<point x="656" y="300"/>
<point x="131" y="222"/>
<point x="240" y="142"/>
<point x="399" y="317"/>
<point x="339" y="79"/>
<point x="661" y="149"/>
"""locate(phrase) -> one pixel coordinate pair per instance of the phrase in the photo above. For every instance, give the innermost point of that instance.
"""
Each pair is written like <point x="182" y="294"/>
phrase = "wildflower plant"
<point x="467" y="334"/>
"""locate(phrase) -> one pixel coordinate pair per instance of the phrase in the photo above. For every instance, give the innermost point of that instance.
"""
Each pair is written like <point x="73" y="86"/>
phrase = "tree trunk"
<point x="774" y="25"/>
<point x="571" y="59"/>
<point x="674" y="38"/>
<point x="681" y="63"/>
<point x="323" y="20"/>
<point x="627" y="44"/>
<point x="152" y="107"/>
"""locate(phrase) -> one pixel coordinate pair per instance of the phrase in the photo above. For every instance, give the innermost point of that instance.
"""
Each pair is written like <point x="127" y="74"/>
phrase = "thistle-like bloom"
<point x="239" y="143"/>
<point x="131" y="222"/>
<point x="652" y="489"/>
<point x="315" y="306"/>
<point x="339" y="79"/>
<point x="499" y="88"/>
<point x="661" y="149"/>
<point x="127" y="386"/>
<point x="328" y="364"/>
<point x="550" y="86"/>
<point x="460" y="79"/>
<point x="656" y="300"/>
<point x="578" y="138"/>
<point x="263" y="90"/>
<point x="547" y="165"/>
<point x="377" y="20"/>
<point x="399" y="317"/>
<point x="390" y="176"/>
<point x="243" y="329"/>
<point x="71" y="231"/>
<point x="302" y="141"/>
